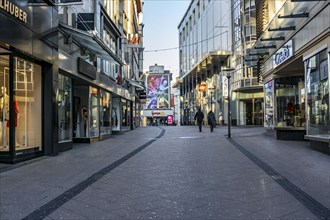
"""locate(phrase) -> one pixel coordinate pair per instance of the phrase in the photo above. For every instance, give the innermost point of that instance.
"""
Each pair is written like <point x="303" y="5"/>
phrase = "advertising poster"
<point x="269" y="95"/>
<point x="158" y="91"/>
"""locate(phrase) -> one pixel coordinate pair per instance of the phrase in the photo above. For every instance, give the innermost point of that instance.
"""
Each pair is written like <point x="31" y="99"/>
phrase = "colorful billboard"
<point x="158" y="91"/>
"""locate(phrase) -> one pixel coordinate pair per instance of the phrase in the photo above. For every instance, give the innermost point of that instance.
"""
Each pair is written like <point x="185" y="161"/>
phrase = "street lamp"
<point x="228" y="71"/>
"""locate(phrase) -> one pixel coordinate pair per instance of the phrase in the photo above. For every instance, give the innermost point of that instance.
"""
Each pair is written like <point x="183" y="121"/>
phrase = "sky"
<point x="161" y="19"/>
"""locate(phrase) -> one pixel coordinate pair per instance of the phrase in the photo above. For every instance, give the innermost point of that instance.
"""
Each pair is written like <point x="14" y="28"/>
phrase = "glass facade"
<point x="105" y="112"/>
<point x="290" y="101"/>
<point x="64" y="104"/>
<point x="27" y="106"/>
<point x="116" y="118"/>
<point x="317" y="91"/>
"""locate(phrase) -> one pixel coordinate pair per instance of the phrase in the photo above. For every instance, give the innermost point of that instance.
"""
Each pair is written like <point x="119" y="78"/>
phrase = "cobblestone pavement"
<point x="172" y="173"/>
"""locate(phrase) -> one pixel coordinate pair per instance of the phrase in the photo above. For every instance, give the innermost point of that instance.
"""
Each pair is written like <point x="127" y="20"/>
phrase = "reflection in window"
<point x="317" y="87"/>
<point x="64" y="109"/>
<point x="105" y="112"/>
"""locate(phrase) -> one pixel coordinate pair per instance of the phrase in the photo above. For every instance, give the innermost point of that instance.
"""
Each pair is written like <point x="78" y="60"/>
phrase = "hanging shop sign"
<point x="13" y="10"/>
<point x="283" y="54"/>
<point x="202" y="87"/>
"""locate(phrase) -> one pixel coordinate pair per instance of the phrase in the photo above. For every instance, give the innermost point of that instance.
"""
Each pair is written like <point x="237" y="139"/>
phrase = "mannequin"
<point x="4" y="115"/>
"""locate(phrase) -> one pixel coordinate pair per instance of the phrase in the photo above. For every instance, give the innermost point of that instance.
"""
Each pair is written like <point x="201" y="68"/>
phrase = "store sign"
<point x="13" y="10"/>
<point x="170" y="119"/>
<point x="86" y="69"/>
<point x="283" y="54"/>
<point x="155" y="113"/>
<point x="85" y="21"/>
<point x="202" y="87"/>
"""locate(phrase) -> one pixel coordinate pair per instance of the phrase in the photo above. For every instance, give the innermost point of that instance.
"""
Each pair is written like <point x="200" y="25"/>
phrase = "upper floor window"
<point x="109" y="40"/>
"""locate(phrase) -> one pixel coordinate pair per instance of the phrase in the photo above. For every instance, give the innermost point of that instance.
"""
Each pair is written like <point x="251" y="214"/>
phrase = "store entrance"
<point x="252" y="111"/>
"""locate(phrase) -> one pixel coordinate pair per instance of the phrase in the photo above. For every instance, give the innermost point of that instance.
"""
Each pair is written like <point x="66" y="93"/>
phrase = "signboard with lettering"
<point x="14" y="10"/>
<point x="86" y="68"/>
<point x="283" y="54"/>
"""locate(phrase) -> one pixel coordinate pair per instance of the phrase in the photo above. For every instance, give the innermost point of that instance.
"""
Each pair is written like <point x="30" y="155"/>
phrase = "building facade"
<point x="293" y="52"/>
<point x="159" y="101"/>
<point x="205" y="42"/>
<point x="28" y="69"/>
<point x="74" y="66"/>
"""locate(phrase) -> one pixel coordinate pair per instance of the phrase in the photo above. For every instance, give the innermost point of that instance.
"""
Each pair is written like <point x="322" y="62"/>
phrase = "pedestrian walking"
<point x="211" y="119"/>
<point x="199" y="116"/>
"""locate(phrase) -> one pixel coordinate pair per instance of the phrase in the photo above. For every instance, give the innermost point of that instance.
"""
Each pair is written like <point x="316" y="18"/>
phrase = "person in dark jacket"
<point x="199" y="116"/>
<point x="211" y="119"/>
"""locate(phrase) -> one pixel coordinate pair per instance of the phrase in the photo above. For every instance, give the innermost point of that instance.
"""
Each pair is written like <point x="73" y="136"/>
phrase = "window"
<point x="105" y="112"/>
<point x="27" y="105"/>
<point x="64" y="108"/>
<point x="94" y="113"/>
<point x="317" y="89"/>
<point x="290" y="101"/>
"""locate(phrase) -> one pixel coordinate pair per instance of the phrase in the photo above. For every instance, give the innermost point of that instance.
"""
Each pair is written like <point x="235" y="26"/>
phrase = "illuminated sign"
<point x="283" y="54"/>
<point x="13" y="10"/>
<point x="158" y="113"/>
<point x="202" y="87"/>
<point x="170" y="119"/>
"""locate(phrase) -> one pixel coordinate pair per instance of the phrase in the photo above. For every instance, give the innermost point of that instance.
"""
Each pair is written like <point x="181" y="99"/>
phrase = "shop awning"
<point x="89" y="41"/>
<point x="288" y="19"/>
<point x="212" y="57"/>
<point x="135" y="83"/>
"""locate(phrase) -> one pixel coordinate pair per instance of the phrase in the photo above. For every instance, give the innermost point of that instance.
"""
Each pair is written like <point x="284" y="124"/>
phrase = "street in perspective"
<point x="173" y="173"/>
<point x="164" y="109"/>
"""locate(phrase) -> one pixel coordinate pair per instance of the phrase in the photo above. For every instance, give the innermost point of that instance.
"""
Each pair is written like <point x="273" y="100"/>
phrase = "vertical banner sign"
<point x="224" y="86"/>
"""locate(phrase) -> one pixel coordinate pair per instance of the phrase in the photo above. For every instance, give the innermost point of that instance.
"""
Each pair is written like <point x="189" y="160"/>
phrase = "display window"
<point x="64" y="105"/>
<point x="94" y="130"/>
<point x="317" y="90"/>
<point x="27" y="106"/>
<point x="4" y="102"/>
<point x="105" y="112"/>
<point x="115" y="115"/>
<point x="290" y="101"/>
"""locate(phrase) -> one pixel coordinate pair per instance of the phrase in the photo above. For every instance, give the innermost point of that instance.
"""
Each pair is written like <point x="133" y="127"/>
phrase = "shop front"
<point x="285" y="98"/>
<point x="97" y="108"/>
<point x="317" y="73"/>
<point x="158" y="117"/>
<point x="251" y="107"/>
<point x="27" y="72"/>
